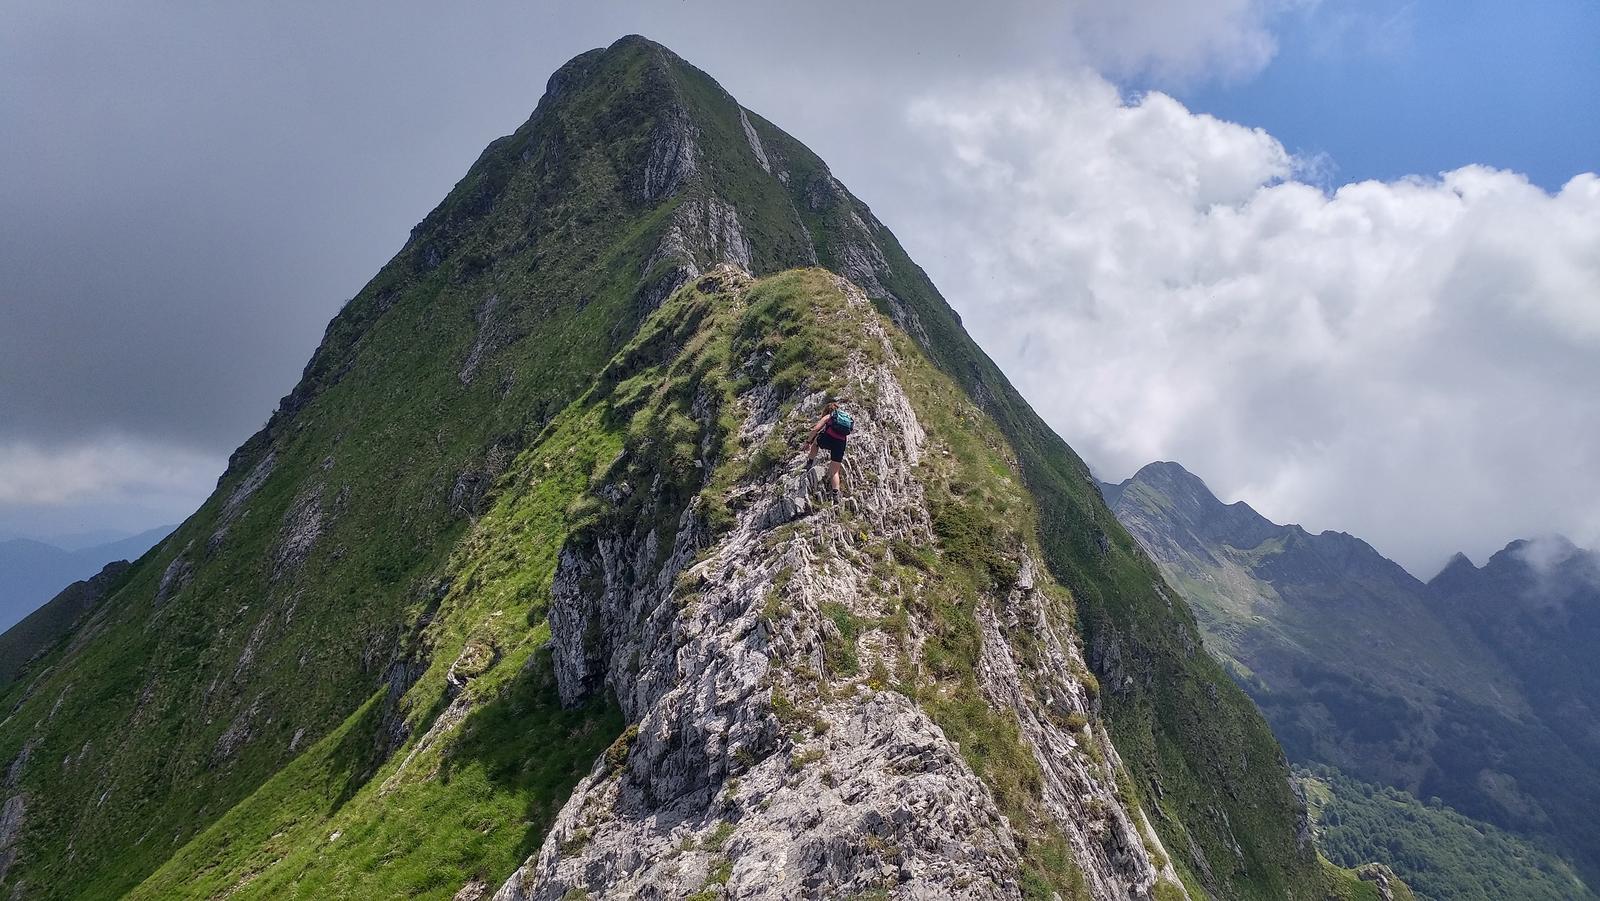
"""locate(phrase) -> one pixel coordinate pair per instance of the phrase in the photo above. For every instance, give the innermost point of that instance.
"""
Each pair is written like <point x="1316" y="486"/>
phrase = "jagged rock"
<point x="754" y="141"/>
<point x="174" y="577"/>
<point x="14" y="811"/>
<point x="492" y="335"/>
<point x="673" y="157"/>
<point x="234" y="506"/>
<point x="240" y="731"/>
<point x="703" y="233"/>
<point x="1382" y="878"/>
<point x="11" y="819"/>
<point x="20" y="763"/>
<point x="302" y="525"/>
<point x="859" y="257"/>
<point x="475" y="659"/>
<point x="1080" y="793"/>
<point x="251" y="483"/>
<point x="469" y="494"/>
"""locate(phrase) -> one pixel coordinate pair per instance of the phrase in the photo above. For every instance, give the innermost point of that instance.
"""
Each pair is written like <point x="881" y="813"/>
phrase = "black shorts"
<point x="834" y="446"/>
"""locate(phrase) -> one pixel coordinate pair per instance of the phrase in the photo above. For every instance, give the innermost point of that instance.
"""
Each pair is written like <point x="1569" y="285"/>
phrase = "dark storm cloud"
<point x="191" y="190"/>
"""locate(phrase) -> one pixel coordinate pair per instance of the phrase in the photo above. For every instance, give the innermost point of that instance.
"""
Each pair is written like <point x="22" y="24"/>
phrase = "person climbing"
<point x="829" y="434"/>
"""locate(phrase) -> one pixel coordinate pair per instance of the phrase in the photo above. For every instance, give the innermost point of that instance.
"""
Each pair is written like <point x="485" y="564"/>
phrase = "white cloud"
<point x="1173" y="40"/>
<point x="1415" y="362"/>
<point x="104" y="470"/>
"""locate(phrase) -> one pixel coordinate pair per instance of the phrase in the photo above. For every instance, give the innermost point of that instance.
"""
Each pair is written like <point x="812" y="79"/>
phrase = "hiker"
<point x="829" y="433"/>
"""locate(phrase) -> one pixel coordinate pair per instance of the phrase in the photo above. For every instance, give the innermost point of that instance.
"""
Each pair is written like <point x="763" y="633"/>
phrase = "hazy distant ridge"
<point x="32" y="572"/>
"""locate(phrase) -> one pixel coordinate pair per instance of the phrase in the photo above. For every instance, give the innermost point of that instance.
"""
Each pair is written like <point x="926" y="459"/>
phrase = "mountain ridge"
<point x="1437" y="688"/>
<point x="34" y="571"/>
<point x="406" y="621"/>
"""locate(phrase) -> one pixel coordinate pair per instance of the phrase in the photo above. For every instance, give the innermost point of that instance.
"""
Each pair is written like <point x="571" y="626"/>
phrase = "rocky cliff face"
<point x="504" y="576"/>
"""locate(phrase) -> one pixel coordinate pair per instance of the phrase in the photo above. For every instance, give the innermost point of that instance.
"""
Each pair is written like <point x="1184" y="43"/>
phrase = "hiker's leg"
<point x="834" y="469"/>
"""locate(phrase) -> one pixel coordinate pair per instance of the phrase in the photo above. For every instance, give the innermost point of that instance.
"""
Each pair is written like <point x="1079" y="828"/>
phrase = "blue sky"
<point x="1386" y="89"/>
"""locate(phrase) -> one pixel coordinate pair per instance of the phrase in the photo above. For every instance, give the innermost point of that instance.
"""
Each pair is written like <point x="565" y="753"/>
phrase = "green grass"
<point x="486" y="806"/>
<point x="475" y="804"/>
<point x="840" y="653"/>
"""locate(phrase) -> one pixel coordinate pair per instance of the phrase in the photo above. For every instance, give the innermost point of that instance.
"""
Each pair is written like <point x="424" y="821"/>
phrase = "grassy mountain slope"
<point x="1361" y="667"/>
<point x="301" y="629"/>
<point x="436" y="813"/>
<point x="43" y="628"/>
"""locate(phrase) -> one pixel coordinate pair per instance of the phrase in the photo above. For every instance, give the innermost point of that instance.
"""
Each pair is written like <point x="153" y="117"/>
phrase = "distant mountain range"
<point x="1476" y="688"/>
<point x="32" y="572"/>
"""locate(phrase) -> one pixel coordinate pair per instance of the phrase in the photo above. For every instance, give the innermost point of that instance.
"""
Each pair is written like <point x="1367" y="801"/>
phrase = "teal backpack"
<point x="842" y="423"/>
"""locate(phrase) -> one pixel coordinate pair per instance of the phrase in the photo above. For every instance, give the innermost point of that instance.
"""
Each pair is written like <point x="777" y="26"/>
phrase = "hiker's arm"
<point x="816" y="429"/>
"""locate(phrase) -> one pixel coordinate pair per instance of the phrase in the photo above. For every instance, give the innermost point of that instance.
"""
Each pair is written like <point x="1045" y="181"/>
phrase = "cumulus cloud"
<point x="1173" y="40"/>
<point x="1414" y="361"/>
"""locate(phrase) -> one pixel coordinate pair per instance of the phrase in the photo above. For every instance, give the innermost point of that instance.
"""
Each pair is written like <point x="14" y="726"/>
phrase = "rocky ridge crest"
<point x="755" y="763"/>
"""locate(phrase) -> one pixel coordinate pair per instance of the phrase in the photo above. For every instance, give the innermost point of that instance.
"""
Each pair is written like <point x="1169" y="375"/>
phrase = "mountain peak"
<point x="1183" y="497"/>
<point x="1458" y="564"/>
<point x="1179" y="484"/>
<point x="1543" y="551"/>
<point x="1170" y="471"/>
<point x="1174" y="484"/>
